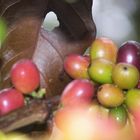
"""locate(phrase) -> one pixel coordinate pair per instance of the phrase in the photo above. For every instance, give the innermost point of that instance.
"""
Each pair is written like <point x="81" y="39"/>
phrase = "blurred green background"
<point x="116" y="19"/>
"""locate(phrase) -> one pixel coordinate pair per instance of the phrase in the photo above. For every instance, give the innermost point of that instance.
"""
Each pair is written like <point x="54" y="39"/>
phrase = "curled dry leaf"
<point x="26" y="39"/>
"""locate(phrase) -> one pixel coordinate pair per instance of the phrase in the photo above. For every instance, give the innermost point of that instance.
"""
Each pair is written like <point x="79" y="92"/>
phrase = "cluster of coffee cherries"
<point x="105" y="79"/>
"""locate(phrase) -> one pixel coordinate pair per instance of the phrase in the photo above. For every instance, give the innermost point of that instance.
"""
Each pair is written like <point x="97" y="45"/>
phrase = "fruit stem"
<point x="40" y="94"/>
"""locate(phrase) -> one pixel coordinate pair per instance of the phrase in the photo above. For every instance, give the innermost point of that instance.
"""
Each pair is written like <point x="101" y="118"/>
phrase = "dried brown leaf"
<point x="26" y="39"/>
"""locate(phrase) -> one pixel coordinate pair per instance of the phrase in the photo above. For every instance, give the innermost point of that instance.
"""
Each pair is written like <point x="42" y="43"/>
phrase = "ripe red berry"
<point x="10" y="99"/>
<point x="76" y="66"/>
<point x="77" y="92"/>
<point x="25" y="76"/>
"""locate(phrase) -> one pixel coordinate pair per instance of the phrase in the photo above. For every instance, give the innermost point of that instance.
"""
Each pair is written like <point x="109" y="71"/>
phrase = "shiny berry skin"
<point x="79" y="91"/>
<point x="10" y="99"/>
<point x="132" y="100"/>
<point x="25" y="76"/>
<point x="100" y="70"/>
<point x="110" y="95"/>
<point x="125" y="76"/>
<point x="104" y="48"/>
<point x="76" y="66"/>
<point x="119" y="115"/>
<point x="129" y="52"/>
